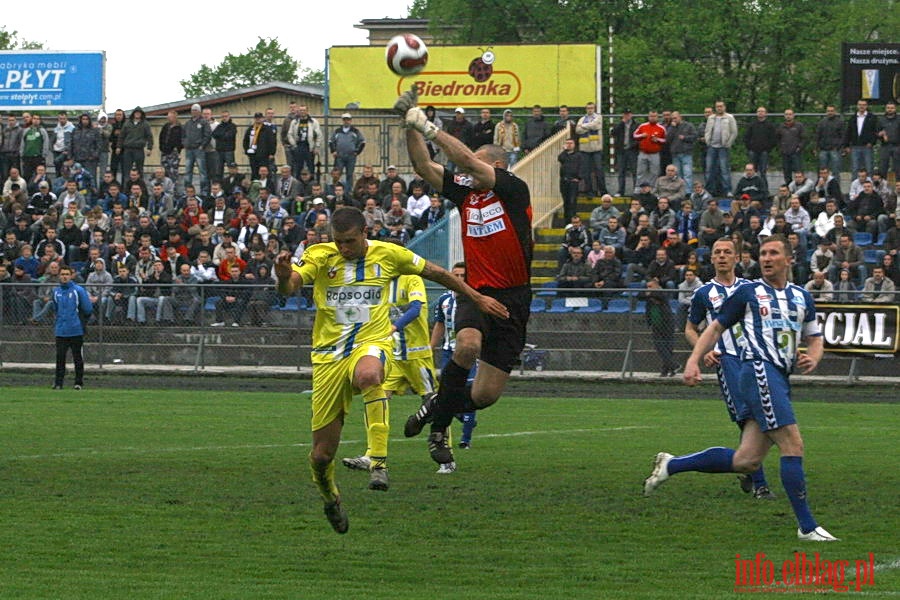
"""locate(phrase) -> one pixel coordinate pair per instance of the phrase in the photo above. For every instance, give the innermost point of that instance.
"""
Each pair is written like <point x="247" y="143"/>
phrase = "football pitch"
<point x="131" y="493"/>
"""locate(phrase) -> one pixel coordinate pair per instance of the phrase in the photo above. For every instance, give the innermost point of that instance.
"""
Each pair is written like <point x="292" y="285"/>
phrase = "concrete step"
<point x="537" y="280"/>
<point x="543" y="264"/>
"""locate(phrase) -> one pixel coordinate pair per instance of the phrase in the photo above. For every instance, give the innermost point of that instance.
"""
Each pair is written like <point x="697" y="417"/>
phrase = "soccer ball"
<point x="406" y="54"/>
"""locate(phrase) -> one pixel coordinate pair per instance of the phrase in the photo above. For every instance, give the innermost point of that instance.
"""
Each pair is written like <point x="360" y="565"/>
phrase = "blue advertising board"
<point x="40" y="80"/>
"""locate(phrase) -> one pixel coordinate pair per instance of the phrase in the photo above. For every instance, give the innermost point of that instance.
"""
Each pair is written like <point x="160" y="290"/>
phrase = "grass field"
<point x="160" y="494"/>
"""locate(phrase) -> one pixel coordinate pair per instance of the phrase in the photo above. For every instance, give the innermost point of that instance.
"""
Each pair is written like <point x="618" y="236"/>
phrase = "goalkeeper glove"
<point x="416" y="119"/>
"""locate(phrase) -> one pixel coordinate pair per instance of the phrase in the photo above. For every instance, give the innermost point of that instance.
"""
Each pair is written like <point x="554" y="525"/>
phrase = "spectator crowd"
<point x="844" y="242"/>
<point x="143" y="240"/>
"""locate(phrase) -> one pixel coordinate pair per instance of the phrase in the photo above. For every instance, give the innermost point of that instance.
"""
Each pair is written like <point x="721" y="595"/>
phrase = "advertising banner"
<point x="468" y="76"/>
<point x="860" y="328"/>
<point x="40" y="80"/>
<point x="870" y="72"/>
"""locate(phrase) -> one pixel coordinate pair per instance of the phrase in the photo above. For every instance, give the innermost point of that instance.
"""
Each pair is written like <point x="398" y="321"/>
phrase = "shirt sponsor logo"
<point x="353" y="295"/>
<point x="780" y="324"/>
<point x="484" y="214"/>
<point x="487" y="229"/>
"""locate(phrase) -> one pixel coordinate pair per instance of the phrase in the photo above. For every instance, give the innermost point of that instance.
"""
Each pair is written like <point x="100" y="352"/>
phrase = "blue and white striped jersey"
<point x="773" y="321"/>
<point x="706" y="304"/>
<point x="445" y="312"/>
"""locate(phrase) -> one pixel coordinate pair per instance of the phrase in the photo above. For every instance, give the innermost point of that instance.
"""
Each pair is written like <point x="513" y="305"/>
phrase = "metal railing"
<point x="578" y="330"/>
<point x="540" y="170"/>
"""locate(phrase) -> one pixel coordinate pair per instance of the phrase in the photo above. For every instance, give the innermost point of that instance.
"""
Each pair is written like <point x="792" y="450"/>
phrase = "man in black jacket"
<point x="760" y="139"/>
<point x="829" y="140"/>
<point x="570" y="168"/>
<point x="626" y="149"/>
<point x="860" y="137"/>
<point x="259" y="144"/>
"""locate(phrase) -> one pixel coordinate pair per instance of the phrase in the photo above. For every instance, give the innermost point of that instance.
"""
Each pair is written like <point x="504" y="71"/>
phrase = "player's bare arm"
<point x="427" y="169"/>
<point x="414" y="119"/>
<point x="705" y="343"/>
<point x="809" y="360"/>
<point x="692" y="334"/>
<point x="289" y="281"/>
<point x="468" y="162"/>
<point x="485" y="304"/>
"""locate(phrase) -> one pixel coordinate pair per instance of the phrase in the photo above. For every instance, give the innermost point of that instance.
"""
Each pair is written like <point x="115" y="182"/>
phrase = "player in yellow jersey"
<point x="352" y="334"/>
<point x="413" y="364"/>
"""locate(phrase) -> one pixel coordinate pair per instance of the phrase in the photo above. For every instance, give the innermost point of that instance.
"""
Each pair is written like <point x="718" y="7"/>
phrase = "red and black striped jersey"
<point x="496" y="229"/>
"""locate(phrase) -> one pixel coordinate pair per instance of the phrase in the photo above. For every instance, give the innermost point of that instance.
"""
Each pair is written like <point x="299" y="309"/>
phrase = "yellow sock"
<point x="323" y="477"/>
<point x="377" y="424"/>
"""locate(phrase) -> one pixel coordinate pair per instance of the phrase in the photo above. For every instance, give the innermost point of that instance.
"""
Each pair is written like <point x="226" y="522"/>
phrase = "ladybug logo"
<point x="482" y="67"/>
<point x="332" y="272"/>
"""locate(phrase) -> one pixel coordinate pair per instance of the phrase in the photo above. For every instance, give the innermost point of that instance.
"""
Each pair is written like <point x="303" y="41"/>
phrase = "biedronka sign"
<point x="468" y="76"/>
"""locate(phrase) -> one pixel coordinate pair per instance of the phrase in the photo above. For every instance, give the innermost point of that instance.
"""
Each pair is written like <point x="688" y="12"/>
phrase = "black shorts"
<point x="503" y="339"/>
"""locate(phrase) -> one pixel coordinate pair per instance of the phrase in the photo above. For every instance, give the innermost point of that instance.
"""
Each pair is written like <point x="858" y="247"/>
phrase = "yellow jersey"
<point x="351" y="296"/>
<point x="413" y="341"/>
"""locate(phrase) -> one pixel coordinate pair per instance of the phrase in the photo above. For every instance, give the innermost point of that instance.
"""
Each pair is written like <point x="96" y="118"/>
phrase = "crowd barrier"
<point x="569" y="331"/>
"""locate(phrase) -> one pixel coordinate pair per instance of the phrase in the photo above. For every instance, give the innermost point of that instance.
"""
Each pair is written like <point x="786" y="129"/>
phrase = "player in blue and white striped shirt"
<point x="726" y="356"/>
<point x="775" y="315"/>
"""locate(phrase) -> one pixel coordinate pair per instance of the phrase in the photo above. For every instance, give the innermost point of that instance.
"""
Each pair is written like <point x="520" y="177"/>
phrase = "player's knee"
<point x="466" y="351"/>
<point x="746" y="462"/>
<point x="321" y="455"/>
<point x="369" y="378"/>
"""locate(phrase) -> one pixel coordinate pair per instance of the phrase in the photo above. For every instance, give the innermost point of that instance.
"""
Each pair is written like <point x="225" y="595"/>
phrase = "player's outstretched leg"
<point x="711" y="460"/>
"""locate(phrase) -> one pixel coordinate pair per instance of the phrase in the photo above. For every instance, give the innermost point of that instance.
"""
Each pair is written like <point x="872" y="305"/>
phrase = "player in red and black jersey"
<point x="495" y="210"/>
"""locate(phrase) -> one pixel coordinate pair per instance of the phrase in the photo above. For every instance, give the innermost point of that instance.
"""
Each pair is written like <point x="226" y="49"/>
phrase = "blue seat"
<point x="674" y="305"/>
<point x="548" y="288"/>
<point x="872" y="256"/>
<point x="559" y="306"/>
<point x="702" y="253"/>
<point x="211" y="303"/>
<point x="640" y="307"/>
<point x="594" y="305"/>
<point x="538" y="305"/>
<point x="618" y="305"/>
<point x="881" y="238"/>
<point x="294" y="303"/>
<point x="77" y="265"/>
<point x="725" y="204"/>
<point x="862" y="238"/>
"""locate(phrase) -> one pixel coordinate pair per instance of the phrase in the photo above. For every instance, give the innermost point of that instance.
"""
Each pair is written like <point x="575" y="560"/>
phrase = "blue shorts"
<point x="729" y="374"/>
<point x="767" y="391"/>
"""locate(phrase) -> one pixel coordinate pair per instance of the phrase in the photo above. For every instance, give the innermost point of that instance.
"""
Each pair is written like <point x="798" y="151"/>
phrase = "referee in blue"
<point x="775" y="316"/>
<point x="72" y="306"/>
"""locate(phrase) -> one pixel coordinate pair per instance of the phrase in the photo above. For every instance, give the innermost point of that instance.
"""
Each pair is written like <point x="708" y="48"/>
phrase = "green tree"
<point x="266" y="61"/>
<point x="9" y="40"/>
<point x="686" y="53"/>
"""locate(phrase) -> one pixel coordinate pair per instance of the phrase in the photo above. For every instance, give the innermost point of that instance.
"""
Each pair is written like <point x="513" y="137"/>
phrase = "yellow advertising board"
<point x="499" y="76"/>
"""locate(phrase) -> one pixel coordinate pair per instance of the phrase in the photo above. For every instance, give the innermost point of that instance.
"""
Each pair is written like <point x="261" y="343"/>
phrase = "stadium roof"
<point x="311" y="91"/>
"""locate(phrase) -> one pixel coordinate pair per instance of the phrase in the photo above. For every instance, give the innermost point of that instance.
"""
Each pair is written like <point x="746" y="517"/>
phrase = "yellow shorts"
<point x="332" y="383"/>
<point x="418" y="373"/>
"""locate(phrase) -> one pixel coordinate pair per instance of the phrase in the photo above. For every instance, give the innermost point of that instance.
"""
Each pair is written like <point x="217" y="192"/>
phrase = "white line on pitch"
<point x="87" y="452"/>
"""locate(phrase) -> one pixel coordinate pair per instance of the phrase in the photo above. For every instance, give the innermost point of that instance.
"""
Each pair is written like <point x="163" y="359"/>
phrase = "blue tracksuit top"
<point x="71" y="303"/>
